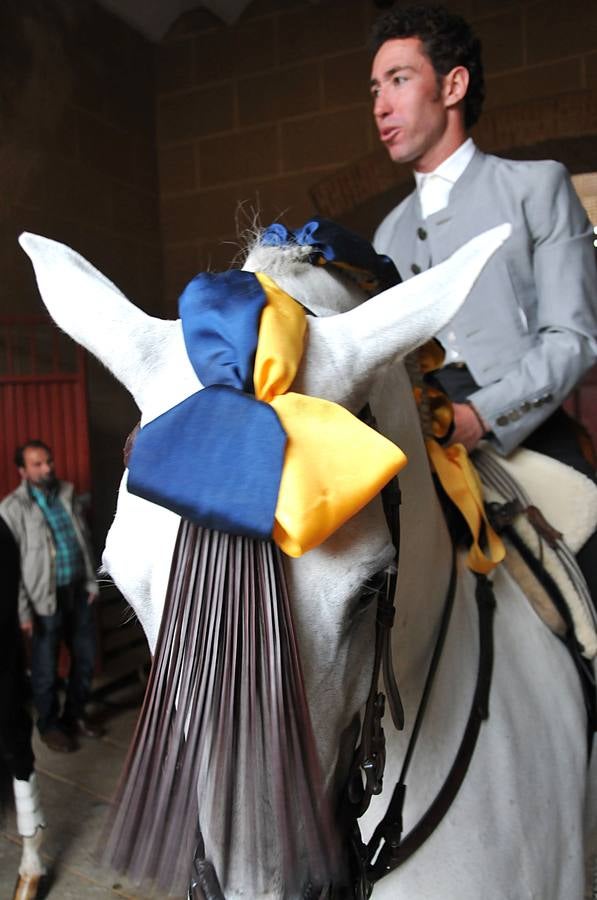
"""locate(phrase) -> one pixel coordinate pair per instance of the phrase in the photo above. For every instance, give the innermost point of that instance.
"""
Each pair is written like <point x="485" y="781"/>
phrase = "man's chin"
<point x="398" y="153"/>
<point x="48" y="484"/>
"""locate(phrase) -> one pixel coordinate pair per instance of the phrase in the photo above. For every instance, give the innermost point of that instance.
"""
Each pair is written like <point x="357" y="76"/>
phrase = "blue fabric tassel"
<point x="217" y="457"/>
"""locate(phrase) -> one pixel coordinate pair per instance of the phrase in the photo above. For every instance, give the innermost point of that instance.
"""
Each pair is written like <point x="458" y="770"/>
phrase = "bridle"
<point x="388" y="849"/>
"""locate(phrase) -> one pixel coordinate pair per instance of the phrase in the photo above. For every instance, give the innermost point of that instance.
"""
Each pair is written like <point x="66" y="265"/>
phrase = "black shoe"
<point x="58" y="740"/>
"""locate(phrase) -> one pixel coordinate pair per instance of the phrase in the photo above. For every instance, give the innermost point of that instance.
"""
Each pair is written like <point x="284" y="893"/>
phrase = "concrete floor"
<point x="76" y="790"/>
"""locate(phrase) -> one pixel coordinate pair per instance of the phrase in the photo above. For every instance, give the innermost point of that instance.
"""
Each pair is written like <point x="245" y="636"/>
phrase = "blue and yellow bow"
<point x="245" y="455"/>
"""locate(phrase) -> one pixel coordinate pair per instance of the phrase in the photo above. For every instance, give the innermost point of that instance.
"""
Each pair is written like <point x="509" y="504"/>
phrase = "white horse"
<point x="516" y="827"/>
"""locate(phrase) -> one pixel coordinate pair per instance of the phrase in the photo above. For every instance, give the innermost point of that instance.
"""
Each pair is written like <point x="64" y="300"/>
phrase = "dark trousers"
<point x="74" y="624"/>
<point x="16" y="755"/>
<point x="15" y="724"/>
<point x="556" y="437"/>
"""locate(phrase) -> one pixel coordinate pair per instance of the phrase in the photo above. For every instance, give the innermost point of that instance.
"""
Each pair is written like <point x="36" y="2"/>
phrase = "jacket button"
<point x="502" y="420"/>
<point x="415" y="269"/>
<point x="525" y="407"/>
<point x="514" y="416"/>
<point x="421" y="233"/>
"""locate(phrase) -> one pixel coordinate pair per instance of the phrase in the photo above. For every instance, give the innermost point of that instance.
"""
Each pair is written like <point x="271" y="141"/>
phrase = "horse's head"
<point x="348" y="345"/>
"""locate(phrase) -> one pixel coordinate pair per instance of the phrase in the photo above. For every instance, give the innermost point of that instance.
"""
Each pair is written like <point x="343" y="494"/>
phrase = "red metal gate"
<point x="42" y="395"/>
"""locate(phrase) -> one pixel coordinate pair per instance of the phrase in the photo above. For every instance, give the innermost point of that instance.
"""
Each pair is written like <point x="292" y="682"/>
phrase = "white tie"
<point x="434" y="193"/>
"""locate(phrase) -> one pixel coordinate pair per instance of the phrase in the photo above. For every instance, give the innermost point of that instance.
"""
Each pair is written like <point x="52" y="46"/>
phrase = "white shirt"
<point x="434" y="187"/>
<point x="434" y="192"/>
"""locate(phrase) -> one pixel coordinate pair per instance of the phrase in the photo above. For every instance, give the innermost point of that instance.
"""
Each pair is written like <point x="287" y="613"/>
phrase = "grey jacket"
<point x="528" y="330"/>
<point x="37" y="588"/>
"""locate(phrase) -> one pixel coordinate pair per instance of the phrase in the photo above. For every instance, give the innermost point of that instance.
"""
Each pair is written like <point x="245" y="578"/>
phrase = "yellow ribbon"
<point x="461" y="483"/>
<point x="456" y="472"/>
<point x="334" y="463"/>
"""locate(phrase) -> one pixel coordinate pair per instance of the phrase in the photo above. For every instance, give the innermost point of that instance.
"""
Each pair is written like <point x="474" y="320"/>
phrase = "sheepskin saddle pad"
<point x="545" y="511"/>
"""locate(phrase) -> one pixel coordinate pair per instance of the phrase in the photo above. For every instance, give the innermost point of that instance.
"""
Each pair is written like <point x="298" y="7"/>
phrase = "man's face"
<point x="38" y="468"/>
<point x="407" y="102"/>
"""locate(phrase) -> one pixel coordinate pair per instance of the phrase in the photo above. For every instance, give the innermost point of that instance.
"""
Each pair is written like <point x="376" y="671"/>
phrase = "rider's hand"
<point x="469" y="427"/>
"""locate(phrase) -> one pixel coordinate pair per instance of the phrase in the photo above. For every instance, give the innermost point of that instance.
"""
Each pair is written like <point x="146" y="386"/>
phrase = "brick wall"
<point x="259" y="113"/>
<point x="254" y="115"/>
<point x="77" y="163"/>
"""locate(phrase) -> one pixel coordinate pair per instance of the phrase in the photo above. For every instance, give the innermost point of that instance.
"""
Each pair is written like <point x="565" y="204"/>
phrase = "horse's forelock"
<point x="323" y="290"/>
<point x="284" y="259"/>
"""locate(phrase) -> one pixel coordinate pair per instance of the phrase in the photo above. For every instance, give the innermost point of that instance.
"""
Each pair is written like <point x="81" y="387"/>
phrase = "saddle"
<point x="544" y="511"/>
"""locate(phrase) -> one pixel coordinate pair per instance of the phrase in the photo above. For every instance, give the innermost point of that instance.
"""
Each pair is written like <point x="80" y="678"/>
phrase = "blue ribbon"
<point x="338" y="246"/>
<point x="217" y="457"/>
<point x="220" y="322"/>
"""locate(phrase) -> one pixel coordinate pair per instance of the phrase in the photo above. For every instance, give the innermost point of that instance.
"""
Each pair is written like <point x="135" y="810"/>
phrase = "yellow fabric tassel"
<point x="461" y="483"/>
<point x="334" y="463"/>
<point x="454" y="468"/>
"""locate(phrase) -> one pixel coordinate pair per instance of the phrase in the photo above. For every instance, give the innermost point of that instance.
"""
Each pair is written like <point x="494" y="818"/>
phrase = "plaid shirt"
<point x="70" y="565"/>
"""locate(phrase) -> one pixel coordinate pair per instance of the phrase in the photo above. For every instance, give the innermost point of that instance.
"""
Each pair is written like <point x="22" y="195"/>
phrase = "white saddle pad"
<point x="568" y="501"/>
<point x="567" y="498"/>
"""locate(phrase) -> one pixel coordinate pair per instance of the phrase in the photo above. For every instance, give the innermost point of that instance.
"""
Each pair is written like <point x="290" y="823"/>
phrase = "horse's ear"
<point x="89" y="308"/>
<point x="392" y="324"/>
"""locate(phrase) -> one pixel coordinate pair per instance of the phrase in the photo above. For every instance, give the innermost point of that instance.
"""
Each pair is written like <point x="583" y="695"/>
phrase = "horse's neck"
<point x="540" y="758"/>
<point x="425" y="551"/>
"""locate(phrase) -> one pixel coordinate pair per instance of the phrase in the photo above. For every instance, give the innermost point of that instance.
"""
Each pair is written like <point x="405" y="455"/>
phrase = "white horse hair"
<point x="516" y="828"/>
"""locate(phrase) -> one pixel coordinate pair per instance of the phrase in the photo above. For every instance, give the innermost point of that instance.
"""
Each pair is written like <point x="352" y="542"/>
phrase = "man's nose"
<point x="381" y="106"/>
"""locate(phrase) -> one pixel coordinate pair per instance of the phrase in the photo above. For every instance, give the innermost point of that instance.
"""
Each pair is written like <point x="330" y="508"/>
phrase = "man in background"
<point x="56" y="591"/>
<point x="528" y="330"/>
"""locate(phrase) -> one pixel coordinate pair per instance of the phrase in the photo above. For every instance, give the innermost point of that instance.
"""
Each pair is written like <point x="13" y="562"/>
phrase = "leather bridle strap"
<point x="366" y="772"/>
<point x="387" y="846"/>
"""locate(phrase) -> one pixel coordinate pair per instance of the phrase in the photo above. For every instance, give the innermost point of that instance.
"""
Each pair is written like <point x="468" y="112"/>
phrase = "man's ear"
<point x="22" y="471"/>
<point x="455" y="86"/>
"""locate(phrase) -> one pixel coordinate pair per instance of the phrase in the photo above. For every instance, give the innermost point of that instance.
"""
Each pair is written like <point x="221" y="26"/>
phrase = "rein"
<point x="387" y="849"/>
<point x="387" y="838"/>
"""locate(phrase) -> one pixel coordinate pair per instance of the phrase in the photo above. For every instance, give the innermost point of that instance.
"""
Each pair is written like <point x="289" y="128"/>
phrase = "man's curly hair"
<point x="448" y="41"/>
